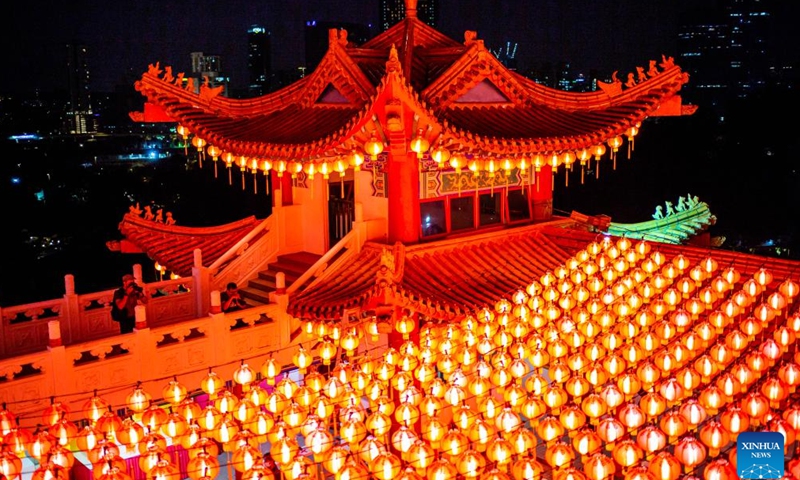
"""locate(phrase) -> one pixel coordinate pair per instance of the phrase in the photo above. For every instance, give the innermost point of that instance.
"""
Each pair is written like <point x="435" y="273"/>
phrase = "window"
<point x="490" y="208"/>
<point x="518" y="206"/>
<point x="432" y="218"/>
<point x="462" y="213"/>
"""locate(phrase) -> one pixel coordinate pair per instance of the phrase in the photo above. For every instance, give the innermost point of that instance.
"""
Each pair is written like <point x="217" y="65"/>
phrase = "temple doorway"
<point x="341" y="210"/>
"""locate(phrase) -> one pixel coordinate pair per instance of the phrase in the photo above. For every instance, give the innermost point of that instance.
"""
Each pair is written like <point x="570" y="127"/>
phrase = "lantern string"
<point x="490" y="274"/>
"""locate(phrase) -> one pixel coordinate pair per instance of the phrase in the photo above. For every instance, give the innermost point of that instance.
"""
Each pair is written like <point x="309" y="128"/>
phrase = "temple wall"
<point x="375" y="208"/>
<point x="303" y="227"/>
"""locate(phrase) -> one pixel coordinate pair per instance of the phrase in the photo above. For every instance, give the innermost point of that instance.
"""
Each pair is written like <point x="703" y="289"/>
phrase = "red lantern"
<point x="690" y="452"/>
<point x="664" y="466"/>
<point x="627" y="453"/>
<point x="735" y="420"/>
<point x="651" y="439"/>
<point x="599" y="467"/>
<point x="714" y="436"/>
<point x="719" y="469"/>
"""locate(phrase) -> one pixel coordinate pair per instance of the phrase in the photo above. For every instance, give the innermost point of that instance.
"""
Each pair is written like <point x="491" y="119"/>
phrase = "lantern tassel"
<point x="215" y="169"/>
<point x="583" y="169"/>
<point x="255" y="183"/>
<point x="242" y="179"/>
<point x="266" y="183"/>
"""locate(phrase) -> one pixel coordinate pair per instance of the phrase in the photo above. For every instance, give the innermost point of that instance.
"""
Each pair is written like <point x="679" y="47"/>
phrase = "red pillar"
<point x="542" y="195"/>
<point x="283" y="184"/>
<point x="403" y="192"/>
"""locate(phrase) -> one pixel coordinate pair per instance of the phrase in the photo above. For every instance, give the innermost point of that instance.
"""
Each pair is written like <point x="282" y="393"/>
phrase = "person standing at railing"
<point x="126" y="298"/>
<point x="231" y="300"/>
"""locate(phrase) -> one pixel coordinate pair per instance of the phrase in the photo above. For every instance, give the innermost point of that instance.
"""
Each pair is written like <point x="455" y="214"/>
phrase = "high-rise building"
<point x="507" y="55"/>
<point x="728" y="49"/>
<point x="316" y="37"/>
<point x="207" y="70"/>
<point x="259" y="59"/>
<point x="393" y="11"/>
<point x="79" y="115"/>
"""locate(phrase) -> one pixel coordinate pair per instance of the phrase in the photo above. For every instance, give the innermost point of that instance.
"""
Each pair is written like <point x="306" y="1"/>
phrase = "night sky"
<point x="125" y="36"/>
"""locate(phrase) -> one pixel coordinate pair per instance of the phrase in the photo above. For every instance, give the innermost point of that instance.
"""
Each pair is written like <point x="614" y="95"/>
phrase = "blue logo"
<point x="759" y="455"/>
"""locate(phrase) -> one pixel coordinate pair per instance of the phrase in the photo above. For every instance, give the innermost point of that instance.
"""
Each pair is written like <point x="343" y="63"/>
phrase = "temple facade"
<point x="445" y="324"/>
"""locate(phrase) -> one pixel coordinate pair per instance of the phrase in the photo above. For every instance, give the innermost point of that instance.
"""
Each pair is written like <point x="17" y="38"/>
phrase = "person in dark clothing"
<point x="231" y="300"/>
<point x="123" y="308"/>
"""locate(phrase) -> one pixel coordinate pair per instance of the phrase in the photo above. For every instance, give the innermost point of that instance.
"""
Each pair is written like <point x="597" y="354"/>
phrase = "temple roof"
<point x="454" y="277"/>
<point x="172" y="246"/>
<point x="457" y="93"/>
<point x="450" y="277"/>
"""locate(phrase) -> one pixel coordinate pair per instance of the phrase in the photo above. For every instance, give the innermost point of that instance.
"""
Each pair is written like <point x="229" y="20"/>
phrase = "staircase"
<point x="293" y="265"/>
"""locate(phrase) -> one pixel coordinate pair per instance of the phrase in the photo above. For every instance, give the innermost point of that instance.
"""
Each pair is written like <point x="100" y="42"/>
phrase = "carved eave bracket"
<point x="390" y="271"/>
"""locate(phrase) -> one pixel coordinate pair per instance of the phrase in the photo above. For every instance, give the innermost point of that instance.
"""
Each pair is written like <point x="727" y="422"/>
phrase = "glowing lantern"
<point x="756" y="405"/>
<point x="559" y="455"/>
<point x="64" y="430"/>
<point x="373" y="147"/>
<point x="283" y="450"/>
<point x="50" y="471"/>
<point x="40" y="445"/>
<point x="639" y="472"/>
<point x="10" y="464"/>
<point x="673" y="424"/>
<point x="693" y="412"/>
<point x="690" y="452"/>
<point x="211" y="384"/>
<point x="154" y="417"/>
<point x="17" y="440"/>
<point x="302" y="360"/>
<point x="627" y="453"/>
<point x="664" y="466"/>
<point x="419" y="144"/>
<point x="199" y="144"/>
<point x="203" y="465"/>
<point x="651" y="439"/>
<point x="714" y="436"/>
<point x="94" y="408"/>
<point x="719" y="469"/>
<point x="244" y="375"/>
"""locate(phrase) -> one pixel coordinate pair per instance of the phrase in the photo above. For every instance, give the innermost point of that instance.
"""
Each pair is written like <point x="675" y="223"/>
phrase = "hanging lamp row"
<point x="443" y="157"/>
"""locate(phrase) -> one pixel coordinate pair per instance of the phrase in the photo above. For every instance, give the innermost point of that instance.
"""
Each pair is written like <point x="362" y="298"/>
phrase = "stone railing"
<point x="79" y="318"/>
<point x="245" y="259"/>
<point x="150" y="354"/>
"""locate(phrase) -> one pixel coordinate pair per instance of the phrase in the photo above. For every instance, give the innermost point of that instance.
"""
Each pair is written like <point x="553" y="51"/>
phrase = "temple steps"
<point x="293" y="265"/>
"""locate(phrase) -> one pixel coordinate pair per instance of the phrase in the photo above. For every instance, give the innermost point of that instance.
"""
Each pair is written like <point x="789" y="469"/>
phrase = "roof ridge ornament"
<point x="411" y="8"/>
<point x="471" y="38"/>
<point x="393" y="64"/>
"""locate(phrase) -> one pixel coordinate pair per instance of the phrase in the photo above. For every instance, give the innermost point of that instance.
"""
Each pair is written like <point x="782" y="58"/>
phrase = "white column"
<point x="216" y="301"/>
<point x="54" y="333"/>
<point x="141" y="317"/>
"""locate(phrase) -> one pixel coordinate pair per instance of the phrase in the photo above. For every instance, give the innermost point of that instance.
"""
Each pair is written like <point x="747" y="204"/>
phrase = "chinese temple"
<point x="426" y="314"/>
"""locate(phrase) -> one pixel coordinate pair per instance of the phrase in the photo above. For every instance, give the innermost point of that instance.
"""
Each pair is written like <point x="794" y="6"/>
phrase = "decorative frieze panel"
<point x="438" y="183"/>
<point x="113" y="372"/>
<point x="171" y="307"/>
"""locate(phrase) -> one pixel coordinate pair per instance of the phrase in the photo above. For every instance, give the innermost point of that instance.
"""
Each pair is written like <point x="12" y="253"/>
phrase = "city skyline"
<point x="123" y="41"/>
